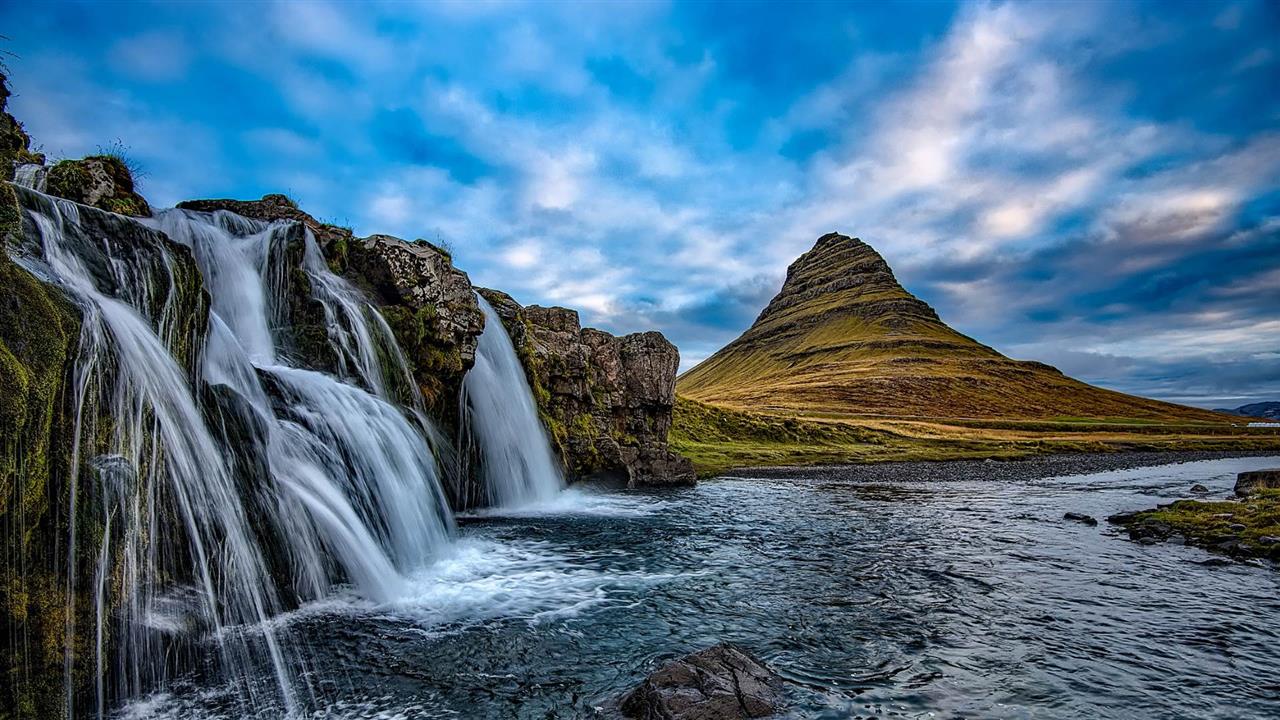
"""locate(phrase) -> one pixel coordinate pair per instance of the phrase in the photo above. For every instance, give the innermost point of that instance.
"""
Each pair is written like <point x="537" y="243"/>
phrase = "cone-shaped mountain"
<point x="844" y="337"/>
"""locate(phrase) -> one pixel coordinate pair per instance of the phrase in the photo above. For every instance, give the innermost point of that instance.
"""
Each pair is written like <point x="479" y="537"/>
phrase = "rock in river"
<point x="1247" y="483"/>
<point x="1080" y="518"/>
<point x="720" y="683"/>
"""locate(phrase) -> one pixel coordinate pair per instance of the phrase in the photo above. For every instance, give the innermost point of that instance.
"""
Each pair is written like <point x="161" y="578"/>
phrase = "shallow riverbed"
<point x="910" y="595"/>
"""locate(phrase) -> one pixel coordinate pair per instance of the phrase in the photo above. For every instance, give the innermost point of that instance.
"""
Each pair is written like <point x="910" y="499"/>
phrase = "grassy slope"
<point x="718" y="438"/>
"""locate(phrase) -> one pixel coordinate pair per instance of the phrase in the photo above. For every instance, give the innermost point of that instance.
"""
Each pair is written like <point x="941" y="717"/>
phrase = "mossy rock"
<point x="101" y="181"/>
<point x="38" y="332"/>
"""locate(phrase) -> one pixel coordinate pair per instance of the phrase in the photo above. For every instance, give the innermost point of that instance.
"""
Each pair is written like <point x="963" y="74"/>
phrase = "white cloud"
<point x="523" y="255"/>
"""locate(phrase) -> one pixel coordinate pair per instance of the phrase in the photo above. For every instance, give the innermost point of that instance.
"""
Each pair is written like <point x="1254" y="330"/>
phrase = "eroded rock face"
<point x="418" y="280"/>
<point x="720" y="683"/>
<point x="606" y="400"/>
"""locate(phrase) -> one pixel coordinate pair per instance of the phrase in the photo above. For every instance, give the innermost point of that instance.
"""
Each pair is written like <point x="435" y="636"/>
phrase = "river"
<point x="913" y="595"/>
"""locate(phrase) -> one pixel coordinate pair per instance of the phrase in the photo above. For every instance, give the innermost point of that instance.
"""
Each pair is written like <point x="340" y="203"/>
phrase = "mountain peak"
<point x="844" y="275"/>
<point x="843" y="336"/>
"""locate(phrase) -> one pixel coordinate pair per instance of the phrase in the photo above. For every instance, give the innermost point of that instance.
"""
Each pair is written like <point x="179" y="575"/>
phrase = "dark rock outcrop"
<point x="720" y="683"/>
<point x="39" y="342"/>
<point x="606" y="400"/>
<point x="430" y="306"/>
<point x="1248" y="483"/>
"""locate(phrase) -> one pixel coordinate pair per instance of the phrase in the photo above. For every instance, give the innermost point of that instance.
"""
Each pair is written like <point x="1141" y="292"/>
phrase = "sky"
<point x="1092" y="185"/>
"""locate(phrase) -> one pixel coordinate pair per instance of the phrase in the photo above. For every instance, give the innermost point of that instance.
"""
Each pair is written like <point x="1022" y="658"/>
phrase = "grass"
<point x="718" y="439"/>
<point x="1239" y="527"/>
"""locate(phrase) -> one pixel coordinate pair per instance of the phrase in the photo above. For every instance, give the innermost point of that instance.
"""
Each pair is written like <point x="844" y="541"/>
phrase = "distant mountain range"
<point x="844" y="338"/>
<point x="1269" y="410"/>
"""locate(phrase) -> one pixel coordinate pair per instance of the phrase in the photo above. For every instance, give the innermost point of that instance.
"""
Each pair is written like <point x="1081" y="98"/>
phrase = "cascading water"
<point x="517" y="462"/>
<point x="30" y="175"/>
<point x="360" y="483"/>
<point x="222" y="494"/>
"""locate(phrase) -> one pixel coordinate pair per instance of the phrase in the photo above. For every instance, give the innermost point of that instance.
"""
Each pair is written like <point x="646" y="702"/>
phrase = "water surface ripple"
<point x="906" y="598"/>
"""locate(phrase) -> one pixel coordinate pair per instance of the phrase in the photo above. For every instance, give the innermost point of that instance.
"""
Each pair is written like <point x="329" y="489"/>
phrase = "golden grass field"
<point x="717" y="439"/>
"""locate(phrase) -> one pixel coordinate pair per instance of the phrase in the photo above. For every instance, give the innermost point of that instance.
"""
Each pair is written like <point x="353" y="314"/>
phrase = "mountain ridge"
<point x="1269" y="410"/>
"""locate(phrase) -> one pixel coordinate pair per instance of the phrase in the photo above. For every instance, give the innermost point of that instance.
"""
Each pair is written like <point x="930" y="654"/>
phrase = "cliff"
<point x="607" y="400"/>
<point x="604" y="419"/>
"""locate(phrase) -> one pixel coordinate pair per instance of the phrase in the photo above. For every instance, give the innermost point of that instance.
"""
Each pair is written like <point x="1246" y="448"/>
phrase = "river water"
<point x="911" y="596"/>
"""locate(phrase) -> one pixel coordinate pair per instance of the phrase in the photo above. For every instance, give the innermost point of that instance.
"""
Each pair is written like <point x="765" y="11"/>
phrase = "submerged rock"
<point x="1199" y="489"/>
<point x="720" y="683"/>
<point x="1080" y="518"/>
<point x="606" y="400"/>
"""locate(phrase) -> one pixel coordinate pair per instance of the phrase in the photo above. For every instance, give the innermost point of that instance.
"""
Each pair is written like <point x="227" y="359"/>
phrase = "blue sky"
<point x="1092" y="185"/>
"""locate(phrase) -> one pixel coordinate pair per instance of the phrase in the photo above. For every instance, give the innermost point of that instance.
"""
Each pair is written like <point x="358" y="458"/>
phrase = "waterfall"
<point x="517" y="463"/>
<point x="225" y="474"/>
<point x="359" y="481"/>
<point x="30" y="175"/>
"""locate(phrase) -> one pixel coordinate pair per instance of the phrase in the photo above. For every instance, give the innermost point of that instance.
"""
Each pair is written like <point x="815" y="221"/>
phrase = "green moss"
<point x="436" y="366"/>
<point x="27" y="157"/>
<point x="38" y="329"/>
<point x="10" y="215"/>
<point x="83" y="181"/>
<point x="1234" y="526"/>
<point x="337" y="254"/>
<point x="68" y="179"/>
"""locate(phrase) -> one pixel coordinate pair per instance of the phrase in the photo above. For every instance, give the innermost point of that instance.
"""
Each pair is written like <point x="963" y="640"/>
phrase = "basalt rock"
<point x="15" y="144"/>
<point x="40" y="330"/>
<point x="429" y="304"/>
<point x="720" y="683"/>
<point x="606" y="400"/>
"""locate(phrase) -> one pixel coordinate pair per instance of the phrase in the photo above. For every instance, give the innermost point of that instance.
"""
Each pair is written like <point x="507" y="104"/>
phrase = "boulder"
<point x="606" y="400"/>
<point x="101" y="181"/>
<point x="1247" y="483"/>
<point x="720" y="683"/>
<point x="1199" y="489"/>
